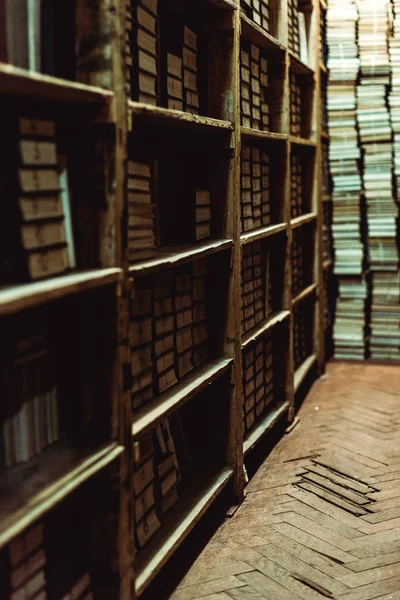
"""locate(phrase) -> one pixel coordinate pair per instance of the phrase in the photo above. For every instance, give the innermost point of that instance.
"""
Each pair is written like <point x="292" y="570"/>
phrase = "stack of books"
<point x="295" y="105"/>
<point x="29" y="414"/>
<point x="302" y="347"/>
<point x="349" y="329"/>
<point x="141" y="212"/>
<point x="258" y="11"/>
<point x="394" y="95"/>
<point x="26" y="565"/>
<point x="144" y="51"/>
<point x="169" y="330"/>
<point x="293" y="27"/>
<point x="255" y="188"/>
<point x="203" y="214"/>
<point x="296" y="185"/>
<point x="254" y="90"/>
<point x="36" y="239"/>
<point x="385" y="316"/>
<point x="255" y="275"/>
<point x="344" y="157"/>
<point x="155" y="482"/>
<point x="258" y="381"/>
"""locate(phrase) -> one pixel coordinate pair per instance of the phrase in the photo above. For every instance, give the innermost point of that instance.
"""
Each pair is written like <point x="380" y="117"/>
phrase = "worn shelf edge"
<point x="265" y="425"/>
<point x="323" y="5"/>
<point x="303" y="220"/>
<point x="147" y="416"/>
<point x="274" y="319"/>
<point x="181" y="524"/>
<point x="302" y="372"/>
<point x="265" y="135"/>
<point x="256" y="34"/>
<point x="259" y="234"/>
<point x="179" y="255"/>
<point x="304" y="293"/>
<point x="49" y="495"/>
<point x="28" y="295"/>
<point x="327" y="263"/>
<point x="297" y="141"/>
<point x="298" y="67"/>
<point x="176" y="117"/>
<point x="323" y="67"/>
<point x="22" y="82"/>
<point x="225" y="4"/>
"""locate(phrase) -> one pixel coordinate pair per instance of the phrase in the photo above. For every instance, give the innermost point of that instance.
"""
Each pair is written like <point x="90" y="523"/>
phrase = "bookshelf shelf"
<point x="21" y="82"/>
<point x="226" y="4"/>
<point x="304" y="294"/>
<point x="303" y="220"/>
<point x="264" y="426"/>
<point x="296" y="141"/>
<point x="255" y="34"/>
<point x="175" y="118"/>
<point x="179" y="255"/>
<point x="21" y="297"/>
<point x="30" y="490"/>
<point x="257" y="332"/>
<point x="323" y="5"/>
<point x="192" y="505"/>
<point x="190" y="385"/>
<point x="302" y="372"/>
<point x="256" y="134"/>
<point x="298" y="67"/>
<point x="260" y="234"/>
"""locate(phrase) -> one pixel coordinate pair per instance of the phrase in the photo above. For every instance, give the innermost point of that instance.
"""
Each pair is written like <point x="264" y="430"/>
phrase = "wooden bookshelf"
<point x="204" y="303"/>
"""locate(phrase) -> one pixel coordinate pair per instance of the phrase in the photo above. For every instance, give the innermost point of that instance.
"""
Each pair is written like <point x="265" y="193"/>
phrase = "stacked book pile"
<point x="256" y="286"/>
<point x="385" y="316"/>
<point x="376" y="139"/>
<point x="258" y="380"/>
<point x="254" y="98"/>
<point x="155" y="482"/>
<point x="141" y="212"/>
<point x="295" y="105"/>
<point x="36" y="239"/>
<point x="255" y="188"/>
<point x="302" y="348"/>
<point x="293" y="27"/>
<point x="258" y="11"/>
<point x="168" y="329"/>
<point x="326" y="230"/>
<point x="349" y="328"/>
<point x="29" y="412"/>
<point x="394" y="95"/>
<point x="26" y="565"/>
<point x="344" y="156"/>
<point x="296" y="185"/>
<point x="143" y="55"/>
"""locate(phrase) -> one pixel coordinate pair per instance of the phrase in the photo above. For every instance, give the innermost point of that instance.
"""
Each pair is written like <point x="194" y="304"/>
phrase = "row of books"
<point x="350" y="326"/>
<point x="36" y="239"/>
<point x="297" y="30"/>
<point x="296" y="107"/>
<point x="254" y="87"/>
<point x="258" y="11"/>
<point x="161" y="57"/>
<point x="297" y="192"/>
<point x="169" y="329"/>
<point x="302" y="328"/>
<point x="29" y="413"/>
<point x="258" y="380"/>
<point x="29" y="572"/>
<point x="301" y="264"/>
<point x="155" y="482"/>
<point x="255" y="188"/>
<point x="256" y="286"/>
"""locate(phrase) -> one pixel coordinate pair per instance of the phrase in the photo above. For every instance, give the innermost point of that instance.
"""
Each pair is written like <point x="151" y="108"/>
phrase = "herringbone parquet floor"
<point x="321" y="518"/>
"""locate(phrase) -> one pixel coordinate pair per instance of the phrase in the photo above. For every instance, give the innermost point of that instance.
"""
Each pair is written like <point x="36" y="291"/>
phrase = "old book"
<point x="147" y="527"/>
<point x="143" y="476"/>
<point x="144" y="502"/>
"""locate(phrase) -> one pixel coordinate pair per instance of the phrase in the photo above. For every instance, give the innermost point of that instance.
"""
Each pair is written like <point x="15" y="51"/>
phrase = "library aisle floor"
<point x="321" y="517"/>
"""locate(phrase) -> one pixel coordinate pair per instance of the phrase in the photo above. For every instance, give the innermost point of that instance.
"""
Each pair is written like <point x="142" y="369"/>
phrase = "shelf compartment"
<point x="29" y="295"/>
<point x="303" y="220"/>
<point x="256" y="35"/>
<point x="265" y="425"/>
<point x="305" y="293"/>
<point x="193" y="503"/>
<point x="297" y="66"/>
<point x="21" y="82"/>
<point x="175" y="118"/>
<point x="297" y="141"/>
<point x="264" y="232"/>
<point x="32" y="489"/>
<point x="254" y="334"/>
<point x="302" y="372"/>
<point x="173" y="256"/>
<point x="147" y="416"/>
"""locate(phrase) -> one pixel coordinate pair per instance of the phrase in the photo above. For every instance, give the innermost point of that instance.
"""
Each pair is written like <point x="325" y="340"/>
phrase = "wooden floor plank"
<point x="364" y="564"/>
<point x="268" y="588"/>
<point x="319" y="531"/>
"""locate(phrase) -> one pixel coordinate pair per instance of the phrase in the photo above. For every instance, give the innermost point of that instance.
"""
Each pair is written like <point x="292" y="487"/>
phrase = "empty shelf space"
<point x="30" y="490"/>
<point x="192" y="504"/>
<point x="170" y="400"/>
<point x="265" y="425"/>
<point x="28" y="295"/>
